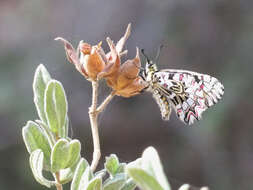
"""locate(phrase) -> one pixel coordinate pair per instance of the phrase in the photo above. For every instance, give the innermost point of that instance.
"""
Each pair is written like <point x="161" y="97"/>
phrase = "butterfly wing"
<point x="163" y="103"/>
<point x="190" y="93"/>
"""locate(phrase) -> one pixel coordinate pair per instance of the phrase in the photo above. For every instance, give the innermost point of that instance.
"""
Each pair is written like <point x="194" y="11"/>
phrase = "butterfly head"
<point x="150" y="67"/>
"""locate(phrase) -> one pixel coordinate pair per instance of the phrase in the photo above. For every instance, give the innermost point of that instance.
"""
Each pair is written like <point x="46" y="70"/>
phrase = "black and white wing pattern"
<point x="189" y="93"/>
<point x="163" y="103"/>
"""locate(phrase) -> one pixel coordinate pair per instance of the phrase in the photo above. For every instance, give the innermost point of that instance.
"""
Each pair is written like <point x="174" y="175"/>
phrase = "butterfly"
<point x="188" y="93"/>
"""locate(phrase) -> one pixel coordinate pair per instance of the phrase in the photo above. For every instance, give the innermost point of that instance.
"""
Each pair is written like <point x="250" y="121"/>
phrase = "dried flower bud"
<point x="91" y="60"/>
<point x="122" y="41"/>
<point x="85" y="48"/>
<point x="126" y="82"/>
<point x="73" y="55"/>
<point x="113" y="62"/>
<point x="133" y="88"/>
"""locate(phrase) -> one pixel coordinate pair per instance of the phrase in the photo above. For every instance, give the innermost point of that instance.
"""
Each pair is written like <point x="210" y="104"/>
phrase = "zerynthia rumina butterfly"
<point x="189" y="93"/>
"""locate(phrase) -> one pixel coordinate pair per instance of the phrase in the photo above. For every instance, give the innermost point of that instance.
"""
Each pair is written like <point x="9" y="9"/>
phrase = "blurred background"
<point x="213" y="37"/>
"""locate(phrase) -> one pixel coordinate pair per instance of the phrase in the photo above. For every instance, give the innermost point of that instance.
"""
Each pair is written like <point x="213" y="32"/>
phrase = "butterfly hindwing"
<point x="163" y="104"/>
<point x="190" y="93"/>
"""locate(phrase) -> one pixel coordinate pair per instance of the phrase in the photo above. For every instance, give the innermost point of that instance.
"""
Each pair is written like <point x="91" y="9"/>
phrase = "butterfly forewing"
<point x="190" y="93"/>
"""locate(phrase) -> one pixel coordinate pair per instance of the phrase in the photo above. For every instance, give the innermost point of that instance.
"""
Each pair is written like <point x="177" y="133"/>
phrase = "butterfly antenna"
<point x="158" y="52"/>
<point x="142" y="51"/>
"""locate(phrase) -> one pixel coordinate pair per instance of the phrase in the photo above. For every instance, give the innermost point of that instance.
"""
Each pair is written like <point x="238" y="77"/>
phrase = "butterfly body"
<point x="188" y="93"/>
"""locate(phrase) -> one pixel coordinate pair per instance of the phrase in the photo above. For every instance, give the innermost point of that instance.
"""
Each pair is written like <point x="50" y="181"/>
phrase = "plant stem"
<point x="58" y="185"/>
<point x="57" y="179"/>
<point x="94" y="126"/>
<point x="105" y="102"/>
<point x="93" y="114"/>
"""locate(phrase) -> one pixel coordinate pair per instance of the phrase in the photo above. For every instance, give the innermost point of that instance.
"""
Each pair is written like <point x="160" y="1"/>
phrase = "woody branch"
<point x="94" y="111"/>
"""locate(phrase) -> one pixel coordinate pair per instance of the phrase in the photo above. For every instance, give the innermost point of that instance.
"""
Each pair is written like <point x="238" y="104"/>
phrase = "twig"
<point x="93" y="114"/>
<point x="94" y="126"/>
<point x="105" y="102"/>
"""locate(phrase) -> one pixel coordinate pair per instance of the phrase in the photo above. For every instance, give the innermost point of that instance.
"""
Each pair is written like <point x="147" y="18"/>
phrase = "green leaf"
<point x="115" y="183"/>
<point x="36" y="138"/>
<point x="56" y="107"/>
<point x="41" y="78"/>
<point x="129" y="185"/>
<point x="95" y="184"/>
<point x="36" y="163"/>
<point x="66" y="175"/>
<point x="121" y="168"/>
<point x="101" y="173"/>
<point x="85" y="178"/>
<point x="185" y="187"/>
<point x="152" y="164"/>
<point x="65" y="154"/>
<point x="81" y="167"/>
<point x="66" y="126"/>
<point x="112" y="164"/>
<point x="147" y="172"/>
<point x="143" y="179"/>
<point x="47" y="130"/>
<point x="135" y="163"/>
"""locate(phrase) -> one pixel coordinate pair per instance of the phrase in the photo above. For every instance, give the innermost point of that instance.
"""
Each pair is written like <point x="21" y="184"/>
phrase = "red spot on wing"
<point x="179" y="110"/>
<point x="181" y="76"/>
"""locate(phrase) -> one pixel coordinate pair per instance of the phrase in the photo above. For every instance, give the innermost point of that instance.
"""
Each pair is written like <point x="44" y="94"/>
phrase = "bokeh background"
<point x="213" y="37"/>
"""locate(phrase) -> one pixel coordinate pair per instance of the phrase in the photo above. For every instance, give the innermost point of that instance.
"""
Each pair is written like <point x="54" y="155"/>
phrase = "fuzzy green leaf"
<point x="135" y="163"/>
<point x="56" y="107"/>
<point x="143" y="179"/>
<point x="115" y="183"/>
<point x="185" y="187"/>
<point x="66" y="175"/>
<point x="85" y="178"/>
<point x="152" y="164"/>
<point x="41" y="78"/>
<point x="82" y="165"/>
<point x="101" y="173"/>
<point x="66" y="126"/>
<point x="35" y="137"/>
<point x="121" y="168"/>
<point x="36" y="163"/>
<point x="65" y="154"/>
<point x="112" y="164"/>
<point x="47" y="130"/>
<point x="95" y="184"/>
<point x="129" y="185"/>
